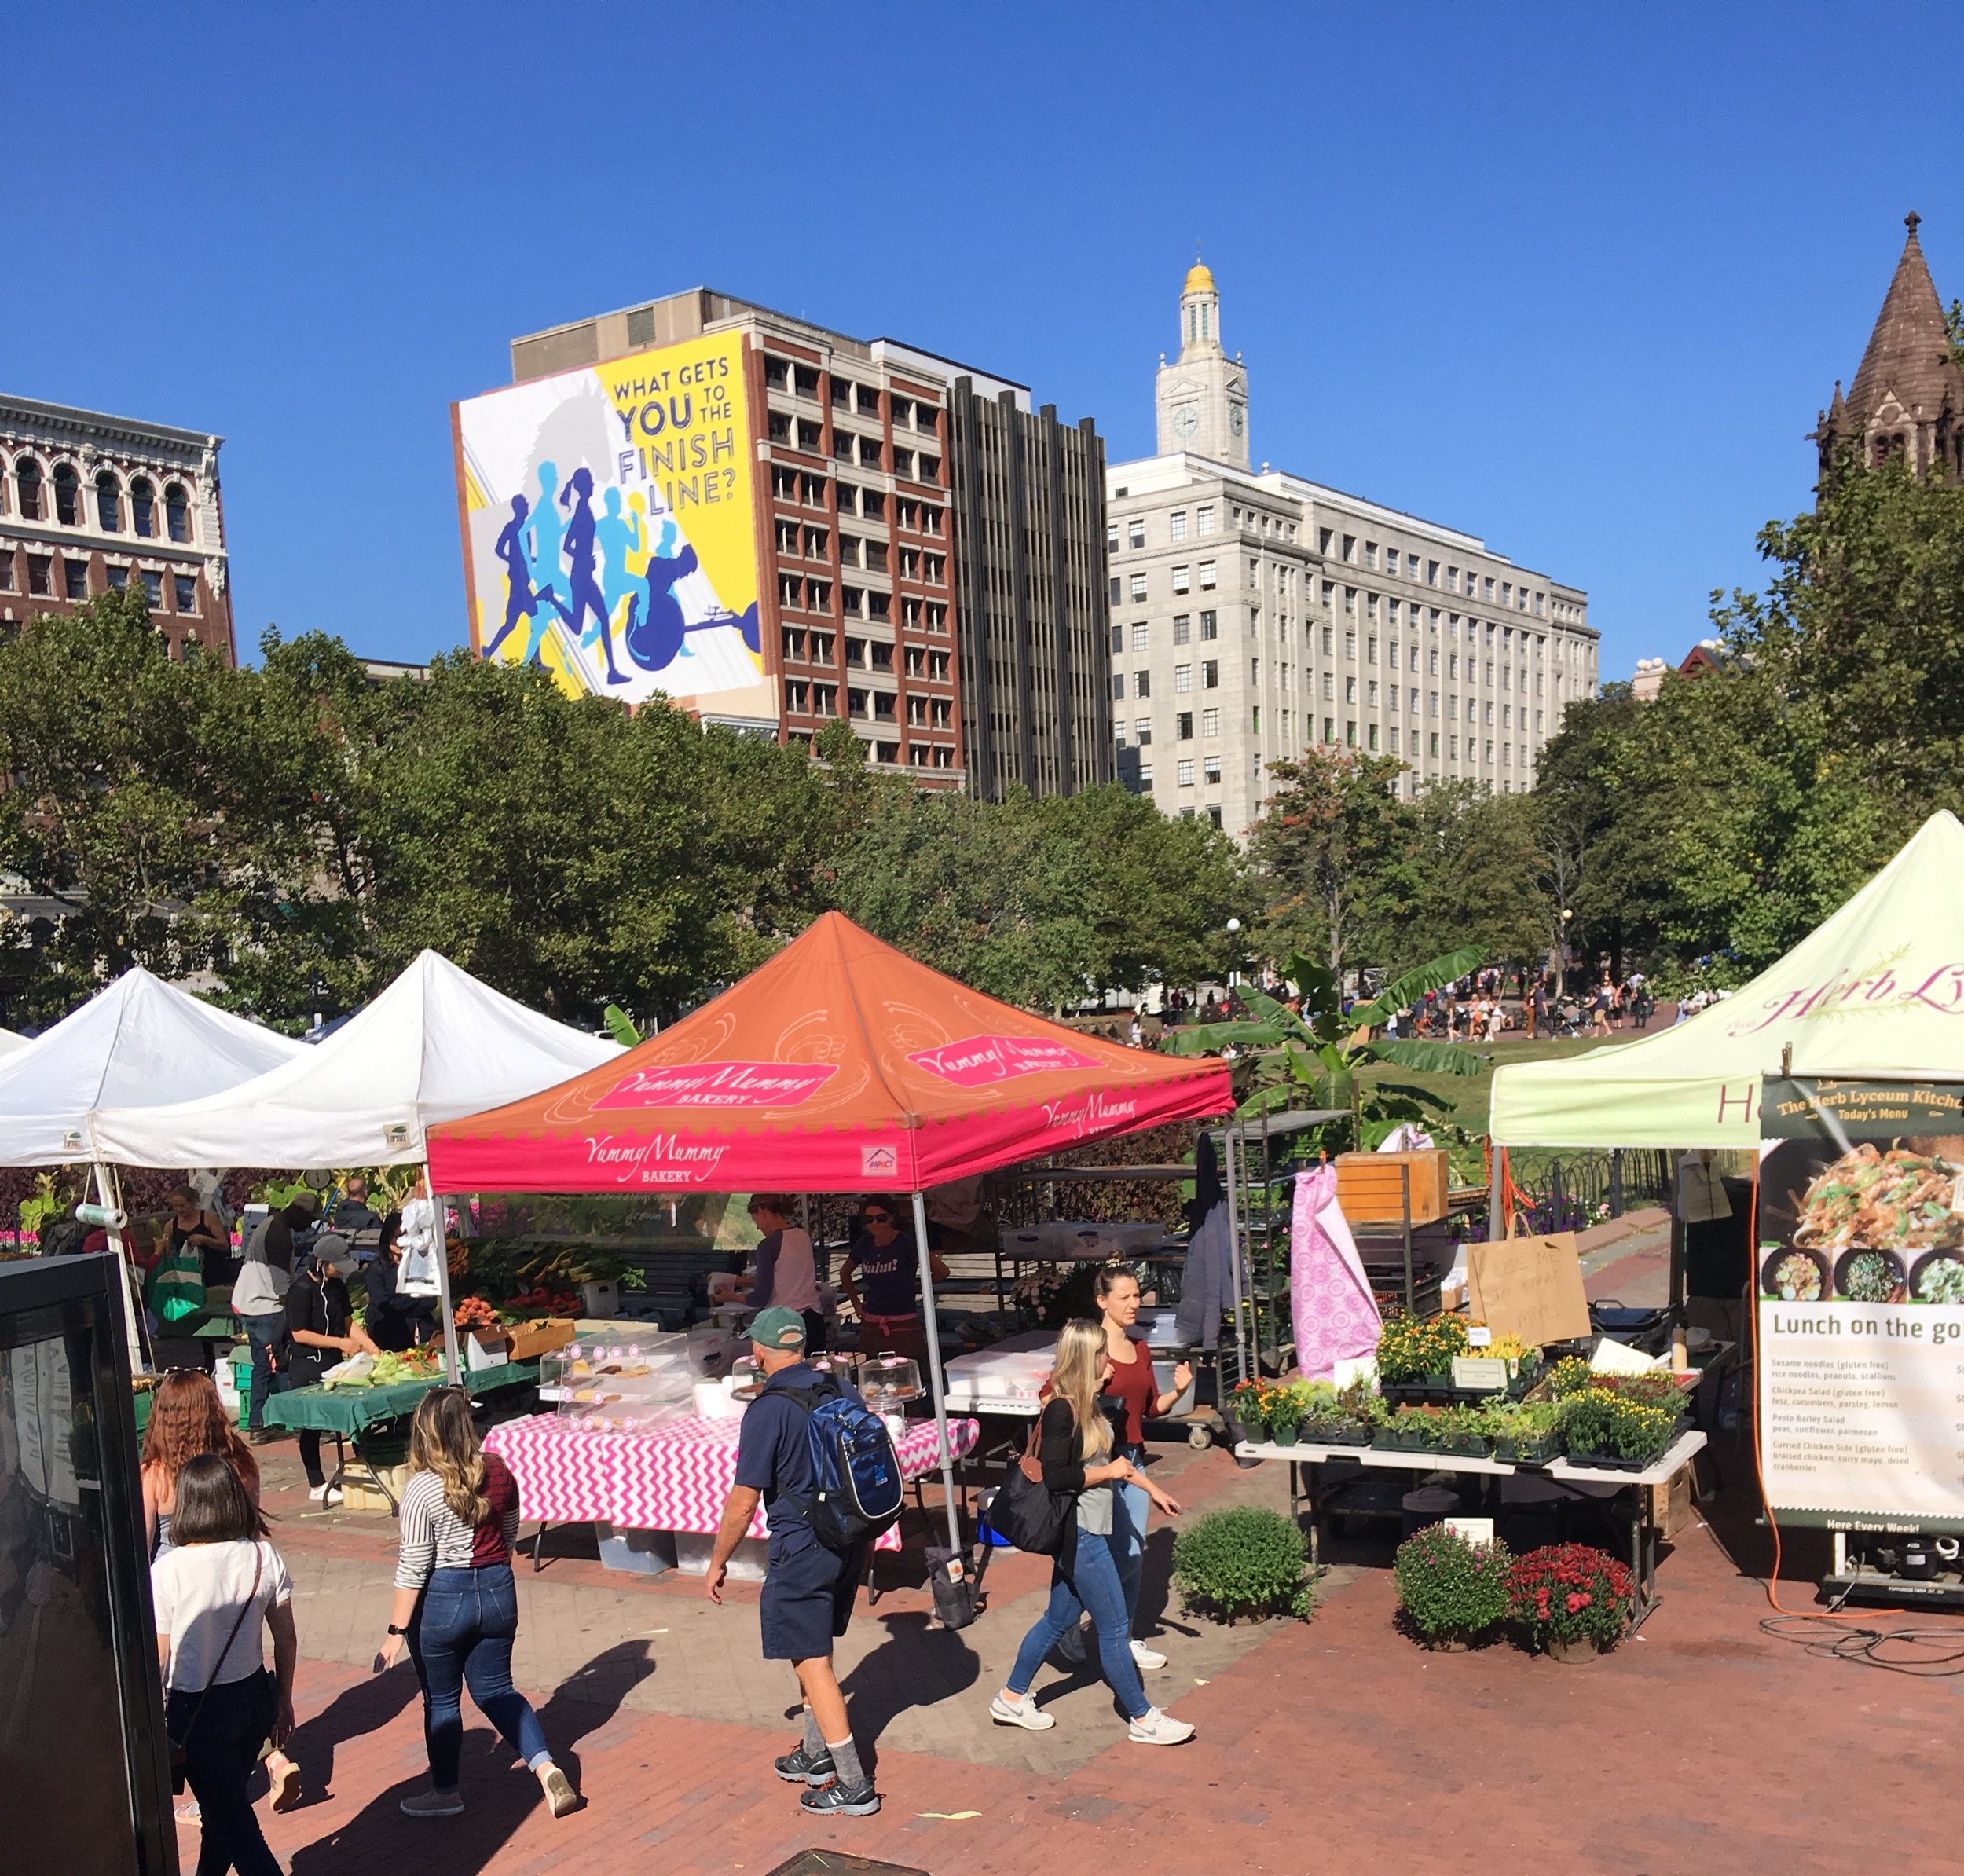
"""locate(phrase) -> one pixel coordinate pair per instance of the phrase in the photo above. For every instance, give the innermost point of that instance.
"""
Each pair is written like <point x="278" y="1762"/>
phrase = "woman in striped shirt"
<point x="456" y="1603"/>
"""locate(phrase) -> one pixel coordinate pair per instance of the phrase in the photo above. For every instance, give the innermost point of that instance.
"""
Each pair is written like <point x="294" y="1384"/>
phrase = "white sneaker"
<point x="1159" y="1729"/>
<point x="1147" y="1657"/>
<point x="1024" y="1712"/>
<point x="318" y="1493"/>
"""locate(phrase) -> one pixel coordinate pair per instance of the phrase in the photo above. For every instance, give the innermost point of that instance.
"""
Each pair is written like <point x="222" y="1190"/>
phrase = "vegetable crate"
<point x="529" y="1340"/>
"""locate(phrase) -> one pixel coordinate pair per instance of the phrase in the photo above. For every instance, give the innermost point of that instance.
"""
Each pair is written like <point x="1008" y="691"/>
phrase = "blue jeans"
<point x="221" y="1750"/>
<point x="1093" y="1585"/>
<point x="262" y="1332"/>
<point x="1128" y="1537"/>
<point x="462" y="1631"/>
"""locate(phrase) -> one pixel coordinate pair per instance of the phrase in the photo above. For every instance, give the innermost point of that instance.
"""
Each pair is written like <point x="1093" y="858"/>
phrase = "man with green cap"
<point x="808" y="1589"/>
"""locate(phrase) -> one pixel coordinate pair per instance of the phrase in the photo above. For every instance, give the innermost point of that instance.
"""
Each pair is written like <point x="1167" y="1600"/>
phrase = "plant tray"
<point x="1463" y="1446"/>
<point x="1344" y="1433"/>
<point x="1384" y="1440"/>
<point x="1610" y="1462"/>
<point x="1529" y="1452"/>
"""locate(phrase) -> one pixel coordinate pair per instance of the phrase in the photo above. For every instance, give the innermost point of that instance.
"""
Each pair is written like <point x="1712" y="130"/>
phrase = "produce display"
<point x="385" y="1370"/>
<point x="1895" y="1200"/>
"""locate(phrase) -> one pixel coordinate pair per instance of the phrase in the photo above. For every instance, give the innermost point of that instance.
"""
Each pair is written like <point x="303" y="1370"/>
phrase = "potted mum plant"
<point x="1452" y="1592"/>
<point x="1600" y="1427"/>
<point x="1572" y="1601"/>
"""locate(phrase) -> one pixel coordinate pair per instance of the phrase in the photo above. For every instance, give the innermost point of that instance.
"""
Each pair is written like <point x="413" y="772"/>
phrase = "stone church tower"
<point x="1202" y="395"/>
<point x="1907" y="398"/>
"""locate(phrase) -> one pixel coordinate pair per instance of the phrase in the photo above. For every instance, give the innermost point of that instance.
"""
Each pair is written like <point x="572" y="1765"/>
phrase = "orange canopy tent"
<point x="841" y="1065"/>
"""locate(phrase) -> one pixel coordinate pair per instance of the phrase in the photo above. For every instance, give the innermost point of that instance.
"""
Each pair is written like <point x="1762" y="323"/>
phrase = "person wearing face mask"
<point x="320" y="1331"/>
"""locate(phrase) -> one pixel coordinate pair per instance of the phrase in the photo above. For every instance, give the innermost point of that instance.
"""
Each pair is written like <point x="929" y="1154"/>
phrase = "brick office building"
<point x="930" y="551"/>
<point x="89" y="503"/>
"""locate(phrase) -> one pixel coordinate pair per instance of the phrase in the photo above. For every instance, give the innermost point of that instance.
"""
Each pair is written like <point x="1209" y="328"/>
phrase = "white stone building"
<point x="1253" y="614"/>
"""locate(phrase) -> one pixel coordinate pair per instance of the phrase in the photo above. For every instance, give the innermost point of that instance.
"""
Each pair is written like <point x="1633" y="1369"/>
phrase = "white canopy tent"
<point x="11" y="1040"/>
<point x="1877" y="991"/>
<point x="139" y="1040"/>
<point x="436" y="1045"/>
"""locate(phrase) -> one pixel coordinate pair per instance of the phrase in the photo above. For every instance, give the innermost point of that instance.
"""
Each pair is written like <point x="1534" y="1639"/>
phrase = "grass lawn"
<point x="1472" y="1096"/>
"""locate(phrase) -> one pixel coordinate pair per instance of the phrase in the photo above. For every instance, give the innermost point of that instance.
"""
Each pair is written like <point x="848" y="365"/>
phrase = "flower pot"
<point x="1572" y="1648"/>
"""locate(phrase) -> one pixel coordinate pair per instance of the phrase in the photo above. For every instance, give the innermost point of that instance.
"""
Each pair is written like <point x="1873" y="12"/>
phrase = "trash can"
<point x="1428" y="1505"/>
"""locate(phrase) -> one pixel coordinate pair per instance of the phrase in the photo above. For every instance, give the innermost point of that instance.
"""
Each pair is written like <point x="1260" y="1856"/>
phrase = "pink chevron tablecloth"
<point x="673" y="1478"/>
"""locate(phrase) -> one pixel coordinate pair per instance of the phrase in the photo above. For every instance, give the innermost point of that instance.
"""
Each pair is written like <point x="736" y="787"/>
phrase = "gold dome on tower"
<point x="1199" y="279"/>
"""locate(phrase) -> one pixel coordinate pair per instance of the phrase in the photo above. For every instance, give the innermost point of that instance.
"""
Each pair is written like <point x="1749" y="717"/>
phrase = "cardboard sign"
<point x="1474" y="1370"/>
<point x="1530" y="1286"/>
<point x="1474" y="1531"/>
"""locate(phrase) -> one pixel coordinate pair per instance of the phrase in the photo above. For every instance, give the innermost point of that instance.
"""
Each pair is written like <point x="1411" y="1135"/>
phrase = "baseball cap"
<point x="335" y="1251"/>
<point x="778" y="1327"/>
<point x="306" y="1202"/>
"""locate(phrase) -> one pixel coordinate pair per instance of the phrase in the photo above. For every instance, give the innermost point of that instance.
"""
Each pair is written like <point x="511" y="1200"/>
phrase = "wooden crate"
<point x="361" y="1486"/>
<point x="1673" y="1507"/>
<point x="1367" y="1186"/>
<point x="529" y="1340"/>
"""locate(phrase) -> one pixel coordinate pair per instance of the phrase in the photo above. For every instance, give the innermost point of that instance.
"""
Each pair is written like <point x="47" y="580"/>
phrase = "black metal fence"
<point x="1571" y="1189"/>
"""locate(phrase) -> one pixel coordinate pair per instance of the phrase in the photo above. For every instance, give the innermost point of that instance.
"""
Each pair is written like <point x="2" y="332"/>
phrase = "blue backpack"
<point x="860" y="1492"/>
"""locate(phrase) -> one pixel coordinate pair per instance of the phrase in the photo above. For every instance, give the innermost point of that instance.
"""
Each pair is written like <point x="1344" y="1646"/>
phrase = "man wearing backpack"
<point x="808" y="1586"/>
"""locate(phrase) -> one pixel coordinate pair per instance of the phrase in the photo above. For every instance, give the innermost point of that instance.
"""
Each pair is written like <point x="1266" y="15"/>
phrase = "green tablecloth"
<point x="348" y="1410"/>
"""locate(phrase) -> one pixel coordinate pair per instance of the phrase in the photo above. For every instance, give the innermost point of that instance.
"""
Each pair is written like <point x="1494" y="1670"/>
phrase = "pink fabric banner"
<point x="1336" y="1316"/>
<point x="674" y="1479"/>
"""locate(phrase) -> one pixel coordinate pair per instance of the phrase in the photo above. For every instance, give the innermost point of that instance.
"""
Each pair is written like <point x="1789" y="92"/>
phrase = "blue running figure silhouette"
<point x="522" y="602"/>
<point x="581" y="558"/>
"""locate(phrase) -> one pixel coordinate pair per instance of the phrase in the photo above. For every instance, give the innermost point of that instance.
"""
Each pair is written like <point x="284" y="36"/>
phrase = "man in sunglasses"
<point x="881" y="1278"/>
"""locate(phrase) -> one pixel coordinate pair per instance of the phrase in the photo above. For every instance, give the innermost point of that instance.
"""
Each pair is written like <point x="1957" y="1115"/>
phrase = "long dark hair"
<point x="212" y="1505"/>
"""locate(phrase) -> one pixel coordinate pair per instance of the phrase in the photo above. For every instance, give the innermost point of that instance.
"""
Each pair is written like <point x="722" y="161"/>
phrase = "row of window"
<point x="920" y="755"/>
<point x="39" y="497"/>
<point x="800" y="486"/>
<point x="801" y="647"/>
<point x="801" y="433"/>
<point x="1512" y="594"/>
<point x="1176" y="527"/>
<point x="182" y="588"/>
<point x="803" y="380"/>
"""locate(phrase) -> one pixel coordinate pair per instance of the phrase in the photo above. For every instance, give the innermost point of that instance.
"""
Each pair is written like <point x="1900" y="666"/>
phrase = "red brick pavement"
<point x="1335" y="1745"/>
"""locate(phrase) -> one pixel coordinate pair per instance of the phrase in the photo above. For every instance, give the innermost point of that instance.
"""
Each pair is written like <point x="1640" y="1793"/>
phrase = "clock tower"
<point x="1202" y="395"/>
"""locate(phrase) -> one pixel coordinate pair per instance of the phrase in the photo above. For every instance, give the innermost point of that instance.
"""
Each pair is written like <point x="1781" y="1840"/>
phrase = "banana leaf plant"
<point x="1314" y="1058"/>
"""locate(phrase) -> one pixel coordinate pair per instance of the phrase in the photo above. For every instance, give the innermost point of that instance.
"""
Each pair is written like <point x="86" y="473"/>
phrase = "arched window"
<point x="1192" y="323"/>
<point x="3" y="485"/>
<point x="108" y="502"/>
<point x="67" y="496"/>
<point x="177" y="513"/>
<point x="1203" y="331"/>
<point x="143" y="508"/>
<point x="26" y="481"/>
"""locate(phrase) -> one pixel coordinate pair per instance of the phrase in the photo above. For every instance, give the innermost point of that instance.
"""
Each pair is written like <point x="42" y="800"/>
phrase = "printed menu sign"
<point x="1860" y="1271"/>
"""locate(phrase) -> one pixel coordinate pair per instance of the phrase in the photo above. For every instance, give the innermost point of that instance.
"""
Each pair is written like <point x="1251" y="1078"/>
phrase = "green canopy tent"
<point x="1877" y="990"/>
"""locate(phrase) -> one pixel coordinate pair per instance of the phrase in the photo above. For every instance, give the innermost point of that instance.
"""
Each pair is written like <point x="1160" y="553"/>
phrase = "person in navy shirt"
<point x="881" y="1277"/>
<point x="808" y="1589"/>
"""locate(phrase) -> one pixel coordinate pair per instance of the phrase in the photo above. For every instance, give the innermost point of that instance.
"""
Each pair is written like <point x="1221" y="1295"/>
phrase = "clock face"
<point x="1186" y="420"/>
<point x="1237" y="418"/>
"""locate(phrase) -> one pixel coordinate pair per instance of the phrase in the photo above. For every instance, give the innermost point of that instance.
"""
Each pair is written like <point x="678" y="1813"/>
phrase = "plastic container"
<point x="888" y="1380"/>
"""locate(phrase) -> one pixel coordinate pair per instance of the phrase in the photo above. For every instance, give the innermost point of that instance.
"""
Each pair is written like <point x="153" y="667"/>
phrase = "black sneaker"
<point x="799" y="1768"/>
<point x="839" y="1800"/>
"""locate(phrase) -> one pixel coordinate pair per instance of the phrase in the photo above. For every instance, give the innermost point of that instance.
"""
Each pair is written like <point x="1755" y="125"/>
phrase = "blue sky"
<point x="1574" y="278"/>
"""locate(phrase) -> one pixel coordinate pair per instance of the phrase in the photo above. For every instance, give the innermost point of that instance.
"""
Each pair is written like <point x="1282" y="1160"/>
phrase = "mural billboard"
<point x="608" y="531"/>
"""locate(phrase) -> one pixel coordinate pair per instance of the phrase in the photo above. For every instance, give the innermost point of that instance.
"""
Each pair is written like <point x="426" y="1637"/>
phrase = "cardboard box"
<point x="1368" y="1186"/>
<point x="529" y="1340"/>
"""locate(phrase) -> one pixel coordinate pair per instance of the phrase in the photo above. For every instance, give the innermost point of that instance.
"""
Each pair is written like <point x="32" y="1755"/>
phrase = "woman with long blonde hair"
<point x="457" y="1605"/>
<point x="1076" y="1446"/>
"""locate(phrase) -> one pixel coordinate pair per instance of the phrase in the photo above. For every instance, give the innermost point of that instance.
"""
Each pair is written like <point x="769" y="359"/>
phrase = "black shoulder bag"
<point x="1024" y="1510"/>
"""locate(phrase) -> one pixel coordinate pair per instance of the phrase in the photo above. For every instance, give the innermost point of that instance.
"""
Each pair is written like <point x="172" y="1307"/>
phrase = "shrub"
<point x="1448" y="1586"/>
<point x="1244" y="1562"/>
<point x="1568" y="1590"/>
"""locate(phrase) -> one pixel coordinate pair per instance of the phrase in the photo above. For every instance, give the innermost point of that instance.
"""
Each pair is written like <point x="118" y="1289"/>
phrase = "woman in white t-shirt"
<point x="786" y="1274"/>
<point x="213" y="1592"/>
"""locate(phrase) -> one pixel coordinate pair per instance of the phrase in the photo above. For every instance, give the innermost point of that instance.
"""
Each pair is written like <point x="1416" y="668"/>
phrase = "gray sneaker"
<point x="838" y="1800"/>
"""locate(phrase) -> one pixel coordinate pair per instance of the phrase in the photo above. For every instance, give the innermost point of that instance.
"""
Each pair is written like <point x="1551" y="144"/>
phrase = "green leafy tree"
<point x="108" y="819"/>
<point x="1313" y="1054"/>
<point x="1326" y="850"/>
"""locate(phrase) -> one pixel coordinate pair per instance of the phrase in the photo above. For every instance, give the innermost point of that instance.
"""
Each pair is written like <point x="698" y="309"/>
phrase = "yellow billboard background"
<point x="609" y="526"/>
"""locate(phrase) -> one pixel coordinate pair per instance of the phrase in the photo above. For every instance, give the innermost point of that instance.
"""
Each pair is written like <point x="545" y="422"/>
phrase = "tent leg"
<point x="932" y="1325"/>
<point x="139" y="1361"/>
<point x="1233" y="1166"/>
<point x="443" y="1284"/>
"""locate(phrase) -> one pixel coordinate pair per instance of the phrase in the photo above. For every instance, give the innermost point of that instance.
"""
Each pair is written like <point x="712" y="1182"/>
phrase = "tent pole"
<point x="443" y="1282"/>
<point x="1233" y="1168"/>
<point x="929" y="1322"/>
<point x="140" y="1361"/>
